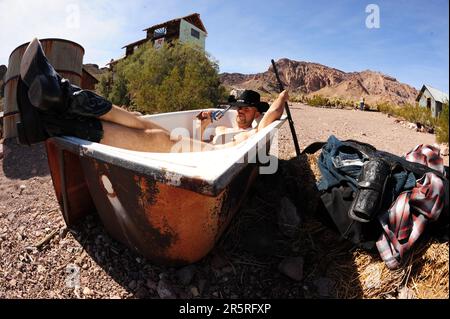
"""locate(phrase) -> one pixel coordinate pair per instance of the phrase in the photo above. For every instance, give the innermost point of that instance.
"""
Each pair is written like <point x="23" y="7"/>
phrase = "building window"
<point x="195" y="33"/>
<point x="160" y="32"/>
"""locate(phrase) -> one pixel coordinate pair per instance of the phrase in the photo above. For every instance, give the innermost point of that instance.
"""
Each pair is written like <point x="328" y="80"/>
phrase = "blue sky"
<point x="412" y="43"/>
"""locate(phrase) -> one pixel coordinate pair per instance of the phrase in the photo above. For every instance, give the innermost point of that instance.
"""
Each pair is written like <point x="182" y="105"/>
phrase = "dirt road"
<point x="317" y="124"/>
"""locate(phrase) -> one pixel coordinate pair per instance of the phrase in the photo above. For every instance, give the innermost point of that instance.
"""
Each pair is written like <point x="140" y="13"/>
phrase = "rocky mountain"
<point x="308" y="78"/>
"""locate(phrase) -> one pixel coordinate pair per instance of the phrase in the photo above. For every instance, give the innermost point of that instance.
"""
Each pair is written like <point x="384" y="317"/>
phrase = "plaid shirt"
<point x="407" y="217"/>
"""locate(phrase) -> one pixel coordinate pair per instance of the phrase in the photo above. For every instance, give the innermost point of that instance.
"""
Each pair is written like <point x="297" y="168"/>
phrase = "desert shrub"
<point x="175" y="77"/>
<point x="321" y="101"/>
<point x="409" y="112"/>
<point x="442" y="125"/>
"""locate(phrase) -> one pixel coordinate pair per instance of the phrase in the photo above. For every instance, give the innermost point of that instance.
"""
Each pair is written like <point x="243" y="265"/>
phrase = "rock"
<point x="165" y="290"/>
<point x="186" y="274"/>
<point x="21" y="189"/>
<point x="195" y="292"/>
<point x="150" y="284"/>
<point x="292" y="267"/>
<point x="324" y="286"/>
<point x="411" y="126"/>
<point x="288" y="219"/>
<point x="202" y="285"/>
<point x="132" y="284"/>
<point x="115" y="297"/>
<point x="141" y="293"/>
<point x="87" y="291"/>
<point x="12" y="282"/>
<point x="40" y="268"/>
<point x="406" y="293"/>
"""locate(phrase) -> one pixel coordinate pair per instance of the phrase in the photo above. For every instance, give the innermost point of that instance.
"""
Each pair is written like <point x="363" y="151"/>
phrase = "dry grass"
<point x="426" y="272"/>
<point x="355" y="273"/>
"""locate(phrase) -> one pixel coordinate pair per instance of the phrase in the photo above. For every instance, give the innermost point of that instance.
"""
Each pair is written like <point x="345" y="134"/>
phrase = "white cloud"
<point x="101" y="27"/>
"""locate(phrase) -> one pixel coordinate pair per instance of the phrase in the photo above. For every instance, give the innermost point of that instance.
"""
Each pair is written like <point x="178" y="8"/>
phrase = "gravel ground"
<point x="316" y="124"/>
<point x="267" y="252"/>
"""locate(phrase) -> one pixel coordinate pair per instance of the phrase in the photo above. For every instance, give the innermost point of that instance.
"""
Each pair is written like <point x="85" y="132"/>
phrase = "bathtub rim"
<point x="173" y="173"/>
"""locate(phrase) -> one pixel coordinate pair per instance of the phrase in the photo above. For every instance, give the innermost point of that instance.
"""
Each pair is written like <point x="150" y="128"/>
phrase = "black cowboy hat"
<point x="248" y="98"/>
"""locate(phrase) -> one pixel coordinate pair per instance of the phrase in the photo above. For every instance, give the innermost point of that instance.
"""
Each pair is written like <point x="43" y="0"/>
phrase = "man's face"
<point x="246" y="115"/>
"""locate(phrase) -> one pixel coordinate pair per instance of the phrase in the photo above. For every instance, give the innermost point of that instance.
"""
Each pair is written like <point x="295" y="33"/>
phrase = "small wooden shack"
<point x="188" y="29"/>
<point x="432" y="99"/>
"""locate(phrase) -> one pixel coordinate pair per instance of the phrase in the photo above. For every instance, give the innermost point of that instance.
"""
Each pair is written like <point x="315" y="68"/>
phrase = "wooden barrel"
<point x="65" y="56"/>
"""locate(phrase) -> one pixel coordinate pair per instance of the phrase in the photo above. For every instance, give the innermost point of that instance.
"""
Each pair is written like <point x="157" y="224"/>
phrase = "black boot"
<point x="31" y="127"/>
<point x="44" y="91"/>
<point x="50" y="93"/>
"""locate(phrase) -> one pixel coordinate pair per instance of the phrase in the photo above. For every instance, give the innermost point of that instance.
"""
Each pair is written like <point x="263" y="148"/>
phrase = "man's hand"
<point x="284" y="96"/>
<point x="205" y="117"/>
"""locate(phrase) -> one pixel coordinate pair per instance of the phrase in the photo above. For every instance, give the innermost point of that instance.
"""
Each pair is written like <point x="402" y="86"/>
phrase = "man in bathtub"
<point x="249" y="114"/>
<point x="50" y="106"/>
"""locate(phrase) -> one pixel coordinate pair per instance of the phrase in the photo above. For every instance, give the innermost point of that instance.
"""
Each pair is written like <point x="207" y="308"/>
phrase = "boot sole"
<point x="28" y="58"/>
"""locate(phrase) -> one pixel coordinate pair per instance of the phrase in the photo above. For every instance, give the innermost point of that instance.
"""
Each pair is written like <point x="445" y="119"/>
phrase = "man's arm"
<point x="275" y="111"/>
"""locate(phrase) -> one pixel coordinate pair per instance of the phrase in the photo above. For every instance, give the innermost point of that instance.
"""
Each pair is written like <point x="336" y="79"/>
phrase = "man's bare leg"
<point x="148" y="140"/>
<point x="123" y="117"/>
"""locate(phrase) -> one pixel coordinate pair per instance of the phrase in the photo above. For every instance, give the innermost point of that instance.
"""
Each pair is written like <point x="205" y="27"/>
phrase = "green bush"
<point x="410" y="113"/>
<point x="321" y="101"/>
<point x="442" y="125"/>
<point x="175" y="77"/>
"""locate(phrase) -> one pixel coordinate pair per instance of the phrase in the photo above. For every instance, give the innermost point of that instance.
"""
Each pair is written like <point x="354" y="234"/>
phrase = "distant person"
<point x="50" y="106"/>
<point x="362" y="104"/>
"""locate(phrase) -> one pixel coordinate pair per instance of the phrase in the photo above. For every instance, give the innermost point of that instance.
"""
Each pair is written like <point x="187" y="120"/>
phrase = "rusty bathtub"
<point x="169" y="207"/>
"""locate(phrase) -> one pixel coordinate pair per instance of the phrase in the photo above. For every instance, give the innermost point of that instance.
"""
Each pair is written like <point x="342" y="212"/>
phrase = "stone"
<point x="186" y="274"/>
<point x="292" y="267"/>
<point x="195" y="292"/>
<point x="150" y="284"/>
<point x="40" y="268"/>
<point x="87" y="291"/>
<point x="132" y="284"/>
<point x="165" y="290"/>
<point x="288" y="219"/>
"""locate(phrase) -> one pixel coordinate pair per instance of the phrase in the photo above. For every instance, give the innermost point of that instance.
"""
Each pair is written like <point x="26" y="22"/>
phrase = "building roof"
<point x="135" y="43"/>
<point x="435" y="93"/>
<point x="93" y="75"/>
<point x="192" y="18"/>
<point x="114" y="61"/>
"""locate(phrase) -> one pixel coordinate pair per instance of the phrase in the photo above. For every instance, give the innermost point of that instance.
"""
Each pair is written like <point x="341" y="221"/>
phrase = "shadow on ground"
<point x="23" y="162"/>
